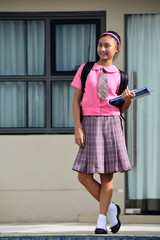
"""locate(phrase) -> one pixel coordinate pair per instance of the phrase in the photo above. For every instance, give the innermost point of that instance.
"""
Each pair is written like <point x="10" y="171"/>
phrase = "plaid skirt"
<point x="105" y="147"/>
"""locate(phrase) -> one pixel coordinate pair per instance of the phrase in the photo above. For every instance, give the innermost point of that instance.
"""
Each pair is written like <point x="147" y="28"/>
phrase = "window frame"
<point x="48" y="78"/>
<point x="53" y="42"/>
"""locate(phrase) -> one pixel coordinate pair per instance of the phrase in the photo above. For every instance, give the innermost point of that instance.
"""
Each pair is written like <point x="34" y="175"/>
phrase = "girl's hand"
<point x="79" y="137"/>
<point x="128" y="95"/>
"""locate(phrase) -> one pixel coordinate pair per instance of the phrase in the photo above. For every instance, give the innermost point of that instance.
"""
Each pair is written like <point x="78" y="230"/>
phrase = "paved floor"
<point x="72" y="229"/>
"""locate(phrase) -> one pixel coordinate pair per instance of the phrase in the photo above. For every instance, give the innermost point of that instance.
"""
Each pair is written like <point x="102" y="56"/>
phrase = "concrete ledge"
<point x="76" y="231"/>
<point x="125" y="219"/>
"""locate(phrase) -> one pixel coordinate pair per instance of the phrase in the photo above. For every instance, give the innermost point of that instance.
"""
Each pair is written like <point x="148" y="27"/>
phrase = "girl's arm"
<point x="128" y="96"/>
<point x="79" y="134"/>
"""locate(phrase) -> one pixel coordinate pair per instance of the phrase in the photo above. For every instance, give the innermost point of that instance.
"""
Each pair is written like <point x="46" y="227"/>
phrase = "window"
<point x="39" y="55"/>
<point x="143" y="118"/>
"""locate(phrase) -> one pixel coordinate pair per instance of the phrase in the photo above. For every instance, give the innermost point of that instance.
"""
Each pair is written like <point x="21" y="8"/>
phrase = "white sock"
<point x="112" y="214"/>
<point x="101" y="222"/>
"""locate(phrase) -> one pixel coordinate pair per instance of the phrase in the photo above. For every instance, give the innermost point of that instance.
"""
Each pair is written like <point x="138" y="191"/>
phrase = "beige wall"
<point x="36" y="181"/>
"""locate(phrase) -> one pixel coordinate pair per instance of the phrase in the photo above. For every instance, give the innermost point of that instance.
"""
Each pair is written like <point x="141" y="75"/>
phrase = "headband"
<point x="113" y="35"/>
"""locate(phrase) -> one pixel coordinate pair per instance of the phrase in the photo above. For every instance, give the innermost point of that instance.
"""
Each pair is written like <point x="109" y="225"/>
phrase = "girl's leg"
<point x="106" y="207"/>
<point x="94" y="188"/>
<point x="105" y="199"/>
<point x="106" y="191"/>
<point x="97" y="190"/>
<point x="90" y="184"/>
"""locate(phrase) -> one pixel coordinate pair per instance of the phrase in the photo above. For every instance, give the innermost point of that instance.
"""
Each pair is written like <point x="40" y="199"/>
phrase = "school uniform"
<point x="105" y="147"/>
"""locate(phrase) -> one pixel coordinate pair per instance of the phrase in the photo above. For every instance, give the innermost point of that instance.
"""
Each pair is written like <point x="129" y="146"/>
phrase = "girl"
<point x="101" y="137"/>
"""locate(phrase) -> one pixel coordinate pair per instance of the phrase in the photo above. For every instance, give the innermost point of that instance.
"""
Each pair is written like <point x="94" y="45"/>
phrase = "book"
<point x="118" y="101"/>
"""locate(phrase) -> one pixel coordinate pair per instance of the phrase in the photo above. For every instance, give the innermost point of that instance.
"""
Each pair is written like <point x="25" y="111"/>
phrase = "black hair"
<point x="117" y="38"/>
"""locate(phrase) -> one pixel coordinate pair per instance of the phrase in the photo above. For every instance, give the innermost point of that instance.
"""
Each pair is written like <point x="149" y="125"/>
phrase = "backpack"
<point x="85" y="71"/>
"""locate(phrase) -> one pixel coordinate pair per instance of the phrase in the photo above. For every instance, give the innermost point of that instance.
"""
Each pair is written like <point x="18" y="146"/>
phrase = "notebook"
<point x="118" y="101"/>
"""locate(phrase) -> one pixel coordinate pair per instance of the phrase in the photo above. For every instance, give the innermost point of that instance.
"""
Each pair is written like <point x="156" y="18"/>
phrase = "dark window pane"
<point x="12" y="104"/>
<point x="36" y="104"/>
<point x="22" y="104"/>
<point x="22" y="47"/>
<point x="62" y="95"/>
<point x="74" y="44"/>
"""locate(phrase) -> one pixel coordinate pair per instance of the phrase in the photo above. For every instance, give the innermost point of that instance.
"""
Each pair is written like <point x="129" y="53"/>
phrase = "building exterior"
<point x="37" y="153"/>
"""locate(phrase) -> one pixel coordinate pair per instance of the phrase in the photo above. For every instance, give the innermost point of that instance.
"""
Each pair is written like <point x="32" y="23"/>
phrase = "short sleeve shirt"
<point x="91" y="103"/>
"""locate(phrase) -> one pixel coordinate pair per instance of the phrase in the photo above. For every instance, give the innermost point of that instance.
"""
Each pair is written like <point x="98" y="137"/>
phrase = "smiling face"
<point x="107" y="48"/>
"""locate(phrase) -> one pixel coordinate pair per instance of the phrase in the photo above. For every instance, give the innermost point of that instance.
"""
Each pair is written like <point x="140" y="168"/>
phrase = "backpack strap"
<point x="123" y="83"/>
<point x="123" y="86"/>
<point x="85" y="71"/>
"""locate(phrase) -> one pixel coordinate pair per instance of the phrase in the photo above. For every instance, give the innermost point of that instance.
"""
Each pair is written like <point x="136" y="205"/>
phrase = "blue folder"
<point x="118" y="101"/>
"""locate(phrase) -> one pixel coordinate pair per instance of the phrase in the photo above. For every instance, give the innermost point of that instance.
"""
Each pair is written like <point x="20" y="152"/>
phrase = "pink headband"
<point x="108" y="33"/>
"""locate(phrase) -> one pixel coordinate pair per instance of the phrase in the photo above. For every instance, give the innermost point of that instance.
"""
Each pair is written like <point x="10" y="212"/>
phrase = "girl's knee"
<point x="106" y="177"/>
<point x="83" y="177"/>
